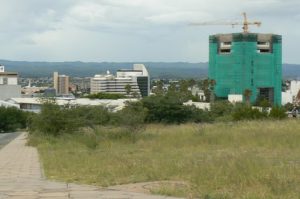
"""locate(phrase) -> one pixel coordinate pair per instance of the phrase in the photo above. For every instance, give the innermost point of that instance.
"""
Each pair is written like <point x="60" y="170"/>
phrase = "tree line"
<point x="164" y="107"/>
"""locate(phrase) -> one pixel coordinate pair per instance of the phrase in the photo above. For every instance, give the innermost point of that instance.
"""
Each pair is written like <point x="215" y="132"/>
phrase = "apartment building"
<point x="61" y="84"/>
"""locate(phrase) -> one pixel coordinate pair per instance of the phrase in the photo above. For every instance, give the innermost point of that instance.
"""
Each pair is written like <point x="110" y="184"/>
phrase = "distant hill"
<point x="170" y="70"/>
<point x="291" y="71"/>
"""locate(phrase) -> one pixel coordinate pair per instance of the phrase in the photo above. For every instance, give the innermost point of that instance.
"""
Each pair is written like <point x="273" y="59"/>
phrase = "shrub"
<point x="131" y="119"/>
<point x="245" y="112"/>
<point x="166" y="109"/>
<point x="199" y="115"/>
<point x="56" y="120"/>
<point x="89" y="116"/>
<point x="221" y="108"/>
<point x="52" y="120"/>
<point x="106" y="96"/>
<point x="11" y="119"/>
<point x="278" y="113"/>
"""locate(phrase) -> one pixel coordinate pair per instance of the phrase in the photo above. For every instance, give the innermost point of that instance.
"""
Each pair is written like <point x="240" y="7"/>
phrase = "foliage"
<point x="12" y="118"/>
<point x="247" y="94"/>
<point x="128" y="89"/>
<point x="159" y="90"/>
<point x="289" y="106"/>
<point x="221" y="108"/>
<point x="52" y="120"/>
<point x="262" y="102"/>
<point x="89" y="116"/>
<point x="245" y="112"/>
<point x="131" y="119"/>
<point x="106" y="96"/>
<point x="56" y="120"/>
<point x="133" y="114"/>
<point x="208" y="86"/>
<point x="199" y="115"/>
<point x="278" y="112"/>
<point x="167" y="109"/>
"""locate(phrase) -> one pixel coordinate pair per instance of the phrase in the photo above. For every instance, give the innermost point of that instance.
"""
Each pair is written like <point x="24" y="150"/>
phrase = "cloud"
<point x="128" y="30"/>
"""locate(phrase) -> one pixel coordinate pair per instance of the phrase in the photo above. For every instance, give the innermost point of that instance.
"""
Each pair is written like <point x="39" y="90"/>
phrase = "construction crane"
<point x="245" y="24"/>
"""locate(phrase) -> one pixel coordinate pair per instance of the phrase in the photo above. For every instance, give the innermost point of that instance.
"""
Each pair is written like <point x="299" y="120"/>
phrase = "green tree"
<point x="159" y="88"/>
<point x="204" y="85"/>
<point x="166" y="109"/>
<point x="128" y="89"/>
<point x="191" y="83"/>
<point x="172" y="88"/>
<point x="183" y="86"/>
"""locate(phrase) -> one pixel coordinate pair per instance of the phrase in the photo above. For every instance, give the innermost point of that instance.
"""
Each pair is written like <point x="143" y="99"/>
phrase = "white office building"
<point x="290" y="95"/>
<point x="9" y="84"/>
<point x="137" y="78"/>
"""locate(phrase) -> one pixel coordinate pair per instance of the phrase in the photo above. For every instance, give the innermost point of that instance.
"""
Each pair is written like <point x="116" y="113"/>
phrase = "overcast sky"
<point x="135" y="30"/>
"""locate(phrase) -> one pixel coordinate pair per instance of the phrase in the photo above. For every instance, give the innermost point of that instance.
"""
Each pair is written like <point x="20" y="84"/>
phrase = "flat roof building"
<point x="137" y="78"/>
<point x="61" y="84"/>
<point x="9" y="84"/>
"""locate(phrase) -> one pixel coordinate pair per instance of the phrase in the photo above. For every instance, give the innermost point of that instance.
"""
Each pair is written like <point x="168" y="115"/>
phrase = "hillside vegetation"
<point x="258" y="159"/>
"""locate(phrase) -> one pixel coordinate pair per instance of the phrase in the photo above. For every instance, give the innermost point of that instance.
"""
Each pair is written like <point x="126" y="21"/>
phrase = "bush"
<point x="132" y="119"/>
<point x="106" y="96"/>
<point x="200" y="116"/>
<point x="289" y="106"/>
<point x="278" y="113"/>
<point x="55" y="120"/>
<point x="52" y="120"/>
<point x="245" y="112"/>
<point x="166" y="109"/>
<point x="221" y="108"/>
<point x="12" y="119"/>
<point x="89" y="116"/>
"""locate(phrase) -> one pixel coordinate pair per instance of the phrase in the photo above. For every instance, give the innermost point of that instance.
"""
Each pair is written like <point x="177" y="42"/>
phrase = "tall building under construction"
<point x="246" y="61"/>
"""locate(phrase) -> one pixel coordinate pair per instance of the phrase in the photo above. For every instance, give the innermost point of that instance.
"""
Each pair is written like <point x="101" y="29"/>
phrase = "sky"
<point x="135" y="30"/>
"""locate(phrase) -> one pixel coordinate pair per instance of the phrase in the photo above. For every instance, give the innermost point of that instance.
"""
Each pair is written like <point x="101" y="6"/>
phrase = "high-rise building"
<point x="9" y="87"/>
<point x="61" y="84"/>
<point x="246" y="61"/>
<point x="137" y="78"/>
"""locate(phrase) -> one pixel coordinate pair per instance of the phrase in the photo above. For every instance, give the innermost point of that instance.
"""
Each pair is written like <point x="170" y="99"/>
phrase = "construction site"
<point x="246" y="66"/>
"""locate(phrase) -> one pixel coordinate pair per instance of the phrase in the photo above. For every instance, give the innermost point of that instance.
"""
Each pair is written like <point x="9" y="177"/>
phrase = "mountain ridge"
<point x="170" y="70"/>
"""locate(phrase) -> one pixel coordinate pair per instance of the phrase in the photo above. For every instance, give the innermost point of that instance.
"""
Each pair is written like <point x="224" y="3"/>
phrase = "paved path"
<point x="21" y="177"/>
<point x="6" y="138"/>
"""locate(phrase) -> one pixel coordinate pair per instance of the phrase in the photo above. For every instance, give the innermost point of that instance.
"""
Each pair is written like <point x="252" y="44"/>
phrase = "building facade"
<point x="246" y="61"/>
<point x="9" y="84"/>
<point x="137" y="78"/>
<point x="292" y="93"/>
<point x="61" y="84"/>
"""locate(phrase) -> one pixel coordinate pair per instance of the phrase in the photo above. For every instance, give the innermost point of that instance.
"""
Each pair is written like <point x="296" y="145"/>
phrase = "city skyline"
<point x="134" y="30"/>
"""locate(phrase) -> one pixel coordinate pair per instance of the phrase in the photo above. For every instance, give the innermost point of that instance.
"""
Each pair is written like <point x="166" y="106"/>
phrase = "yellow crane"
<point x="245" y="23"/>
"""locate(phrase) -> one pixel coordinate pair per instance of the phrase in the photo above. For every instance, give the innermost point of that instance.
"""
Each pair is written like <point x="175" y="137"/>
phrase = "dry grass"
<point x="232" y="160"/>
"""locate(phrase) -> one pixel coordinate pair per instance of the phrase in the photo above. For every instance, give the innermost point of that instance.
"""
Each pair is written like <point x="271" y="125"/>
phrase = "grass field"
<point x="233" y="160"/>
